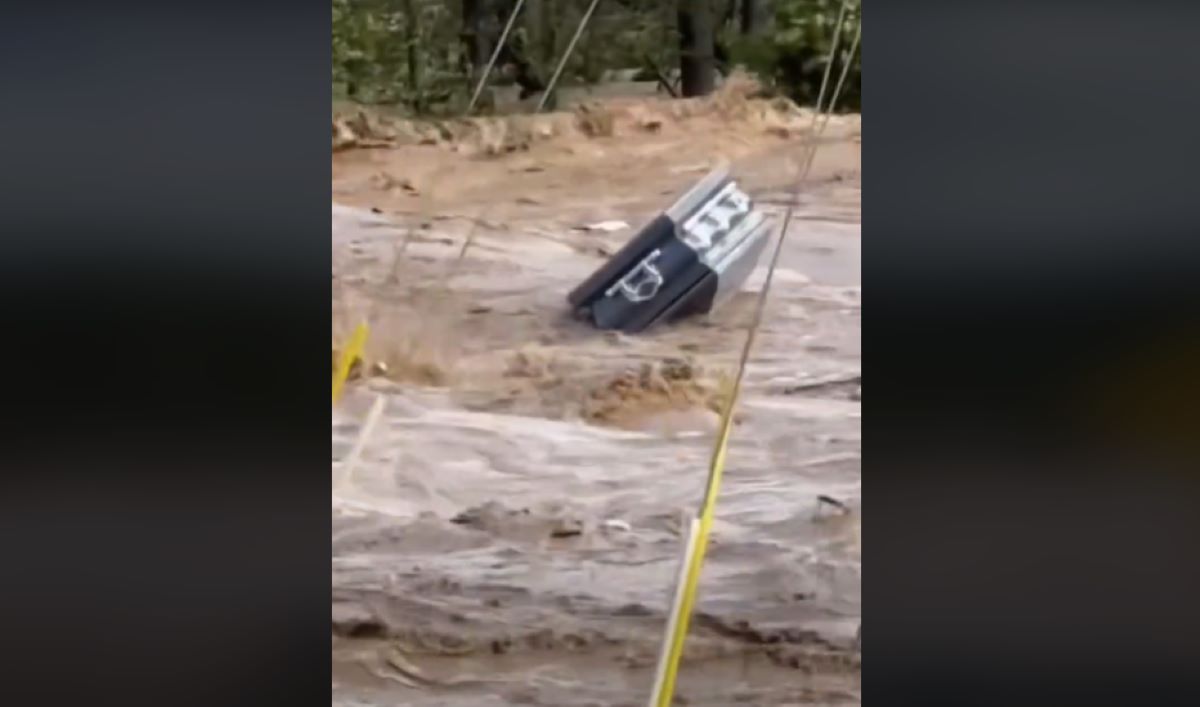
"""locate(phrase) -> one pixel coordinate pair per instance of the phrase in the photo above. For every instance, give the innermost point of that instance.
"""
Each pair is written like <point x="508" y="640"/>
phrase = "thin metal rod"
<point x="495" y="55"/>
<point x="837" y="91"/>
<point x="761" y="302"/>
<point x="350" y="463"/>
<point x="671" y="656"/>
<point x="566" y="55"/>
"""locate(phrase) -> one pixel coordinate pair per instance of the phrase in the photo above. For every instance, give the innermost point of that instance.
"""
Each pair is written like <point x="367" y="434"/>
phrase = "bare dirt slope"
<point x="513" y="532"/>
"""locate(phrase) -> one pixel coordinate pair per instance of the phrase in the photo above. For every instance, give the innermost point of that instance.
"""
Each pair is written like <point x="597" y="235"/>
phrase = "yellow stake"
<point x="352" y="351"/>
<point x="685" y="598"/>
<point x="694" y="560"/>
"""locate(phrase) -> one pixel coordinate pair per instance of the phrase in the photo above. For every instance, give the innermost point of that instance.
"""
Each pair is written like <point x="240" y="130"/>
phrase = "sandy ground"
<point x="512" y="533"/>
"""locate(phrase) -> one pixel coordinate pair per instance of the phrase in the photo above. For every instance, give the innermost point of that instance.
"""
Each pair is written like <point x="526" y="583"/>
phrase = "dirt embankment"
<point x="737" y="103"/>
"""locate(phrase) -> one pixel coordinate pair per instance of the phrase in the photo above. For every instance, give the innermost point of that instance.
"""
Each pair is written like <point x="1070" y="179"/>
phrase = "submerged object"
<point x="690" y="259"/>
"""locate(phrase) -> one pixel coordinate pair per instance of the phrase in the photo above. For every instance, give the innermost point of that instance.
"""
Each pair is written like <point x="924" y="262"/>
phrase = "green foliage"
<point x="396" y="51"/>
<point x="792" y="59"/>
<point x="410" y="53"/>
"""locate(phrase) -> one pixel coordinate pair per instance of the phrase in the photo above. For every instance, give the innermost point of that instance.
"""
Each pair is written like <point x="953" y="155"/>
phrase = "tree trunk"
<point x="548" y="31"/>
<point x="534" y="21"/>
<point x="758" y="17"/>
<point x="474" y="35"/>
<point x="697" y="47"/>
<point x="515" y="53"/>
<point x="412" y="36"/>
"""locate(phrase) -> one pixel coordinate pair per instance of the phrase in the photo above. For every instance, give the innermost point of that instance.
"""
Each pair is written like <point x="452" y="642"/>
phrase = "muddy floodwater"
<point x="512" y="532"/>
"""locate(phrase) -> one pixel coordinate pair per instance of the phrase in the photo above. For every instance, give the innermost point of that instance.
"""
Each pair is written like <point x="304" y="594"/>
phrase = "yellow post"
<point x="693" y="561"/>
<point x="353" y="351"/>
<point x="701" y="526"/>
